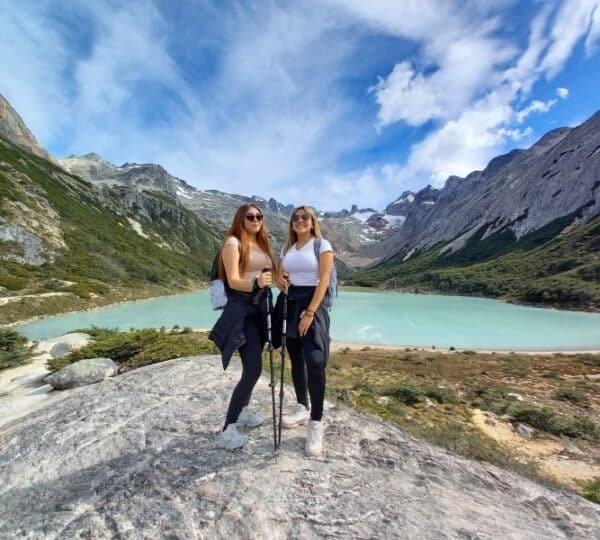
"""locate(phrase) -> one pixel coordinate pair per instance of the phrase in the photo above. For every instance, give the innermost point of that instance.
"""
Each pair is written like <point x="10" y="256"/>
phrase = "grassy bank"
<point x="41" y="306"/>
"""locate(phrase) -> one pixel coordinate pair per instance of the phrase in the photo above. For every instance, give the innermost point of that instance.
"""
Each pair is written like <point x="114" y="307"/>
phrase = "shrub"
<point x="547" y="420"/>
<point x="97" y="333"/>
<point x="12" y="283"/>
<point x="591" y="489"/>
<point x="442" y="395"/>
<point x="589" y="359"/>
<point x="407" y="392"/>
<point x="85" y="288"/>
<point x="13" y="348"/>
<point x="572" y="394"/>
<point x="137" y="348"/>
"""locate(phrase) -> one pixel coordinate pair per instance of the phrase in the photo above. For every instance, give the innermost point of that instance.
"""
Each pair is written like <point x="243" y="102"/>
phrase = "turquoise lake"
<point x="379" y="317"/>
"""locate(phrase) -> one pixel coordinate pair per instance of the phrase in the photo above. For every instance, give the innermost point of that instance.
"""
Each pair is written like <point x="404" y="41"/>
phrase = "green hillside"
<point x="540" y="267"/>
<point x="100" y="251"/>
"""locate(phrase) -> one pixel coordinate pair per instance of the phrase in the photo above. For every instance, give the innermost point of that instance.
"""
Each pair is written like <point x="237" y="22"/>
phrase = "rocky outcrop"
<point x="87" y="371"/>
<point x="21" y="245"/>
<point x="15" y="130"/>
<point x="136" y="456"/>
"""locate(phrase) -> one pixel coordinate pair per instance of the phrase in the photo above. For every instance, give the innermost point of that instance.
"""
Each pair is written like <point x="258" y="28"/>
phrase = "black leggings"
<point x="308" y="360"/>
<point x="251" y="354"/>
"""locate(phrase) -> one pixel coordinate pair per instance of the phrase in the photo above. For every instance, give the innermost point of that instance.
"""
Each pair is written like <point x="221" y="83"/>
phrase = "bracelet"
<point x="309" y="312"/>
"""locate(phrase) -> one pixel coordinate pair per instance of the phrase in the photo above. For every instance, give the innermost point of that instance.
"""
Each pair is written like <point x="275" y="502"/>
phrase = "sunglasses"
<point x="300" y="217"/>
<point x="254" y="217"/>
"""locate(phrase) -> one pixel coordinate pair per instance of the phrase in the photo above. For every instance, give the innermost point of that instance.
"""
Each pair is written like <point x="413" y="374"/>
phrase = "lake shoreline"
<point x="338" y="345"/>
<point x="353" y="288"/>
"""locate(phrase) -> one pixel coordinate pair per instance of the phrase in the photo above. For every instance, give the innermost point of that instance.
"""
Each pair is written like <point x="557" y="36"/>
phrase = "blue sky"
<point x="329" y="102"/>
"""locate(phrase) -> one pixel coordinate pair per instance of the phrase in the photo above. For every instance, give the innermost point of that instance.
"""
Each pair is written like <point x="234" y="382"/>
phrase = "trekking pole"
<point x="283" y="347"/>
<point x="270" y="342"/>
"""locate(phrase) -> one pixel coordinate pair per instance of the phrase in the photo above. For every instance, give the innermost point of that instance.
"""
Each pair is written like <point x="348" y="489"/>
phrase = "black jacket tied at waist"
<point x="298" y="300"/>
<point x="228" y="332"/>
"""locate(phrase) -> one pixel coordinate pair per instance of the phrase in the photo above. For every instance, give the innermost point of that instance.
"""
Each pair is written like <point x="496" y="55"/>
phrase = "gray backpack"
<point x="216" y="286"/>
<point x="332" y="288"/>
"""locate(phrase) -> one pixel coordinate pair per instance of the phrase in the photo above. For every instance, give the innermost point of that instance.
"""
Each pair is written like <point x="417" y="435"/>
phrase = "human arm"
<point x="308" y="315"/>
<point x="283" y="279"/>
<point x="231" y="260"/>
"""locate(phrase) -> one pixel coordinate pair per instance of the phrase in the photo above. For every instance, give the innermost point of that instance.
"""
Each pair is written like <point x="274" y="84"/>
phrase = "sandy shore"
<point x="337" y="346"/>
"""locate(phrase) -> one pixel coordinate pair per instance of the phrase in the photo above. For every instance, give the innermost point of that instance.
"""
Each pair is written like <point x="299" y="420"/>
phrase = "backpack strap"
<point x="317" y="248"/>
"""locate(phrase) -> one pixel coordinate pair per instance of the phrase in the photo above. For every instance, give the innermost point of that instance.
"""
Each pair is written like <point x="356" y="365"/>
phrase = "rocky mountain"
<point x="14" y="129"/>
<point x="524" y="198"/>
<point x="517" y="194"/>
<point x="63" y="234"/>
<point x="525" y="228"/>
<point x="211" y="205"/>
<point x="350" y="231"/>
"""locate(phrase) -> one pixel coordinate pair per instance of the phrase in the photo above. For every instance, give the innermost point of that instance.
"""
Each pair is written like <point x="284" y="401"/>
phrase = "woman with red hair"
<point x="245" y="266"/>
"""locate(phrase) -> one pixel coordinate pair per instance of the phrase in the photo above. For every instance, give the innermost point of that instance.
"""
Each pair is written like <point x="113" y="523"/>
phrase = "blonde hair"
<point x="315" y="230"/>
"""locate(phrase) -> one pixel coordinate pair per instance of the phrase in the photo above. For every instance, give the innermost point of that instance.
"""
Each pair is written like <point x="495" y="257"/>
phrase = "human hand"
<point x="265" y="279"/>
<point x="306" y="319"/>
<point x="283" y="281"/>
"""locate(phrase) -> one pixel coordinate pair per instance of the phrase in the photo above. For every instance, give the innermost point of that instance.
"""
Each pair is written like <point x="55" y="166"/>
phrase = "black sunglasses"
<point x="300" y="217"/>
<point x="254" y="217"/>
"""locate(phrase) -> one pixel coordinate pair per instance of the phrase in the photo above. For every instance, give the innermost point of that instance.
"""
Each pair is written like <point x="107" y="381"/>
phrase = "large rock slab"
<point x="87" y="371"/>
<point x="135" y="456"/>
<point x="74" y="340"/>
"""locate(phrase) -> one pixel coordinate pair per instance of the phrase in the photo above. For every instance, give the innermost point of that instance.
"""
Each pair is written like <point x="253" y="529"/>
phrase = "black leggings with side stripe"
<point x="308" y="373"/>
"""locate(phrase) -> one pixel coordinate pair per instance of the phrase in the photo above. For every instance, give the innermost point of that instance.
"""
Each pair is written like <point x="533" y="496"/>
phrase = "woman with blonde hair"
<point x="245" y="266"/>
<point x="305" y="269"/>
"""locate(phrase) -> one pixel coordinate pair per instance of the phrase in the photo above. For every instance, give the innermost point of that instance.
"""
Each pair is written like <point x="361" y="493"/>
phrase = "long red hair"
<point x="238" y="230"/>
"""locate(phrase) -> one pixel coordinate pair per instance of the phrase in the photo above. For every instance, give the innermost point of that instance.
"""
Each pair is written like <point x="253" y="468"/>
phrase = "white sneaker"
<point x="249" y="419"/>
<point x="314" y="439"/>
<point x="299" y="417"/>
<point x="231" y="438"/>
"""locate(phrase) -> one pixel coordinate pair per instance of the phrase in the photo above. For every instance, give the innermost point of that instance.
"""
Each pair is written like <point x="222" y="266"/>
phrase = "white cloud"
<point x="591" y="41"/>
<point x="33" y="58"/>
<point x="478" y="115"/>
<point x="271" y="116"/>
<point x="465" y="144"/>
<point x="450" y="76"/>
<point x="535" y="106"/>
<point x="574" y="20"/>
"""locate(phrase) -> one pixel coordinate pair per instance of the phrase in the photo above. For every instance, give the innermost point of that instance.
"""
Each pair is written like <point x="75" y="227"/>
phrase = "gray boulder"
<point x="60" y="350"/>
<point x="524" y="430"/>
<point x="87" y="371"/>
<point x="136" y="456"/>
